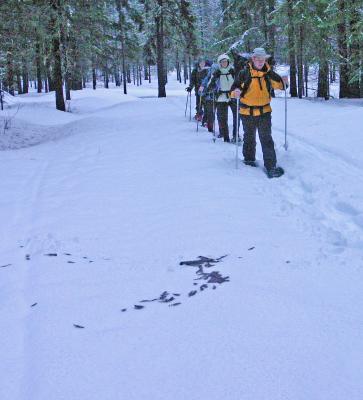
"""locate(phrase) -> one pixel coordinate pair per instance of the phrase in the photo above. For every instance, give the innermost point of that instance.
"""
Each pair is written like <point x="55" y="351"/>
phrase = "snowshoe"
<point x="250" y="163"/>
<point x="274" y="172"/>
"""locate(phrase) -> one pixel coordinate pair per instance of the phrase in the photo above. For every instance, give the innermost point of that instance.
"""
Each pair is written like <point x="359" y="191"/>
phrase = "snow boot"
<point x="274" y="172"/>
<point x="250" y="163"/>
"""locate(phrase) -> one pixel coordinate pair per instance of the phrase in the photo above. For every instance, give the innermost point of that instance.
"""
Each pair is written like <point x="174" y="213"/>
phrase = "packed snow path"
<point x="100" y="220"/>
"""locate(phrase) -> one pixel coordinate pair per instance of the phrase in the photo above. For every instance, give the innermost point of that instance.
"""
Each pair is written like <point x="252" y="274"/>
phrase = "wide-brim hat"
<point x="260" y="52"/>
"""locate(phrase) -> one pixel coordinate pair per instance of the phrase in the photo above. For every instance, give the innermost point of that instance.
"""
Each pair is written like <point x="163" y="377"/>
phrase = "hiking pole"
<point x="186" y="105"/>
<point x="214" y="119"/>
<point x="285" y="117"/>
<point x="190" y="106"/>
<point x="237" y="130"/>
<point x="200" y="106"/>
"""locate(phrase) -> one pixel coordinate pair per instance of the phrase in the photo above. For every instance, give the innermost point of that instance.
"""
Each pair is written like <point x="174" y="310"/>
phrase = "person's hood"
<point x="224" y="57"/>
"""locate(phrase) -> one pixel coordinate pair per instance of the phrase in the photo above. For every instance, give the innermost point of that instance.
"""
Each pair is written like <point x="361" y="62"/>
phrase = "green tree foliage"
<point x="63" y="44"/>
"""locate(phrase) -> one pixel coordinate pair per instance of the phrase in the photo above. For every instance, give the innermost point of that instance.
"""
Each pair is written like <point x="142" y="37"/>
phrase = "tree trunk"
<point x="291" y="43"/>
<point x="185" y="70"/>
<point x="271" y="28"/>
<point x="264" y="20"/>
<point x="177" y="66"/>
<point x="38" y="66"/>
<point x="128" y="74"/>
<point x="10" y="72"/>
<point x="65" y="47"/>
<point x="68" y="89"/>
<point x="306" y="73"/>
<point x="323" y="80"/>
<point x="343" y="51"/>
<point x="106" y="78"/>
<point x="300" y="72"/>
<point x="117" y="76"/>
<point x="160" y="50"/>
<point x="122" y="40"/>
<point x="140" y="75"/>
<point x="332" y="73"/>
<point x="57" y="58"/>
<point x="354" y="56"/>
<point x="18" y="82"/>
<point x="25" y="77"/>
<point x="94" y="78"/>
<point x="48" y="72"/>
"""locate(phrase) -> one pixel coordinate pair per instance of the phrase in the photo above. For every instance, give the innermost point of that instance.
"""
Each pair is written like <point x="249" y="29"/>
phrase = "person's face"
<point x="224" y="63"/>
<point x="258" y="62"/>
<point x="202" y="64"/>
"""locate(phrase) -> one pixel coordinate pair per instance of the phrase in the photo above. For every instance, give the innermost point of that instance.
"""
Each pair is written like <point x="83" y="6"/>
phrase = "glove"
<point x="188" y="89"/>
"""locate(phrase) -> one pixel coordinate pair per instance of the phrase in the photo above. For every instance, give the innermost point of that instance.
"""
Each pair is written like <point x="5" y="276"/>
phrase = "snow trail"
<point x="129" y="192"/>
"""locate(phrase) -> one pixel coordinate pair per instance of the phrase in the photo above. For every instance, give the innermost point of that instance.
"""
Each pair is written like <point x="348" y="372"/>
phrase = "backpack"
<point x="246" y="78"/>
<point x="217" y="86"/>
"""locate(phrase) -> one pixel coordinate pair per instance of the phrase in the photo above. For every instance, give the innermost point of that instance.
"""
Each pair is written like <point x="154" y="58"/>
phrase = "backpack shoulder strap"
<point x="245" y="78"/>
<point x="268" y="83"/>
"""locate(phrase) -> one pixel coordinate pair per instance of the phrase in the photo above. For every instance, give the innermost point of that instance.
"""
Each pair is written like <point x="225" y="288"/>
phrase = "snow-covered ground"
<point x="99" y="215"/>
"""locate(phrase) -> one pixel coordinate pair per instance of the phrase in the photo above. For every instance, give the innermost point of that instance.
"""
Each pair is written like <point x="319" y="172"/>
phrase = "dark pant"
<point x="198" y="104"/>
<point x="222" y="116"/>
<point x="262" y="123"/>
<point x="209" y="114"/>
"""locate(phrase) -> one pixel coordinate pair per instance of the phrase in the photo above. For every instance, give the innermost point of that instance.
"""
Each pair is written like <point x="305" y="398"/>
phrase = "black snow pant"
<point x="262" y="123"/>
<point x="209" y="114"/>
<point x="222" y="116"/>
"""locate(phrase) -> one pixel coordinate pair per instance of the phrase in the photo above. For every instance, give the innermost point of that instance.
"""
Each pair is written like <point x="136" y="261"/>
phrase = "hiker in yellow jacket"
<point x="253" y="86"/>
